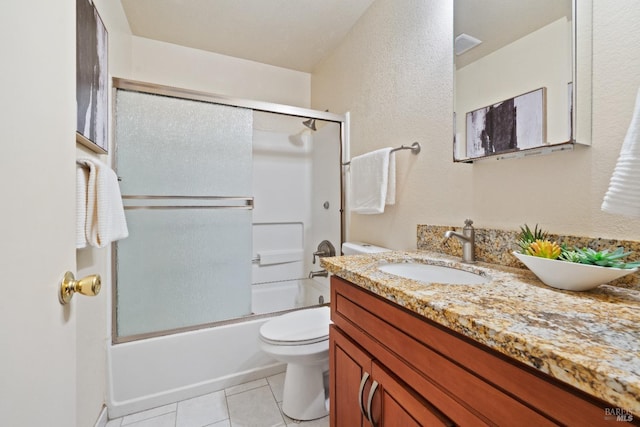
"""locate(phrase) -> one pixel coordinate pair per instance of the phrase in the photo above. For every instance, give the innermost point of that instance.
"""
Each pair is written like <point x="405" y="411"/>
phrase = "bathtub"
<point x="157" y="371"/>
<point x="279" y="296"/>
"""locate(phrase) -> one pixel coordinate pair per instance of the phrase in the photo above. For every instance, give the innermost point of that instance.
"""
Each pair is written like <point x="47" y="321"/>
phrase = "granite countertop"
<point x="590" y="340"/>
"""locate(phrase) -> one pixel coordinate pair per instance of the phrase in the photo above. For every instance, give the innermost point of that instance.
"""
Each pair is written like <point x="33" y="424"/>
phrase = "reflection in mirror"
<point x="514" y="76"/>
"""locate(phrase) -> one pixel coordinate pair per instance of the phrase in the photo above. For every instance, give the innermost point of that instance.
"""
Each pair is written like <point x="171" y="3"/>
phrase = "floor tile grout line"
<point x="226" y="402"/>
<point x="282" y="414"/>
<point x="175" y="420"/>
<point x="270" y="384"/>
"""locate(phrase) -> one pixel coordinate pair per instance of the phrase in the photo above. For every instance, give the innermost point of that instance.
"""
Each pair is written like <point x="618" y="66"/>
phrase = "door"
<point x="37" y="226"/>
<point x="349" y="370"/>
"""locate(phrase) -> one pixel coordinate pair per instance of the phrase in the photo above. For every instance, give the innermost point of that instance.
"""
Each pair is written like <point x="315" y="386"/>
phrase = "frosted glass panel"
<point x="187" y="260"/>
<point x="183" y="267"/>
<point x="171" y="146"/>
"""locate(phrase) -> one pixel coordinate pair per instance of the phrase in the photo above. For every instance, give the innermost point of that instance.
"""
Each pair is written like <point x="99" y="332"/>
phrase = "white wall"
<point x="172" y="65"/>
<point x="281" y="191"/>
<point x="325" y="188"/>
<point x="295" y="171"/>
<point x="394" y="73"/>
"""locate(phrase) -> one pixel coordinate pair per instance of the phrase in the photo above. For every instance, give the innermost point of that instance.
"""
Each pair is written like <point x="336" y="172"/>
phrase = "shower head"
<point x="310" y="123"/>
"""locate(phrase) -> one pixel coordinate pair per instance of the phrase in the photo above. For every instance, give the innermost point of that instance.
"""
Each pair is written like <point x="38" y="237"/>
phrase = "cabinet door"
<point x="350" y="369"/>
<point x="399" y="405"/>
<point x="360" y="385"/>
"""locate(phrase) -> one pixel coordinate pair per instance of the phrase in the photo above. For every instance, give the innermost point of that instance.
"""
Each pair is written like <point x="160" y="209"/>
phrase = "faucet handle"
<point x="318" y="253"/>
<point x="325" y="248"/>
<point x="468" y="222"/>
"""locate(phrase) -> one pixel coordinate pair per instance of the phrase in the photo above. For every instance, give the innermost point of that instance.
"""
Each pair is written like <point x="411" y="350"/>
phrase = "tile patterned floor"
<point x="254" y="404"/>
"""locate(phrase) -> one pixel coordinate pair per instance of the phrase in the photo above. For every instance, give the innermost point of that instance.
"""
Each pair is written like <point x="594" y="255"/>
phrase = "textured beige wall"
<point x="177" y="66"/>
<point x="394" y="74"/>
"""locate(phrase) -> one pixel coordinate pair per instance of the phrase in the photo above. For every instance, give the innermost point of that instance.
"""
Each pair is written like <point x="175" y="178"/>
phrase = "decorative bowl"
<point x="571" y="276"/>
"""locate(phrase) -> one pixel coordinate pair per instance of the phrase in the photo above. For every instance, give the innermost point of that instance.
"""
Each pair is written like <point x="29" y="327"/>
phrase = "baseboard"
<point x="120" y="409"/>
<point x="102" y="418"/>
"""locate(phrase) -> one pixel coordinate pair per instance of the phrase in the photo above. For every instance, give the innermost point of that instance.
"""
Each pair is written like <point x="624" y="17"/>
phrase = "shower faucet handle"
<point x="325" y="248"/>
<point x="317" y="254"/>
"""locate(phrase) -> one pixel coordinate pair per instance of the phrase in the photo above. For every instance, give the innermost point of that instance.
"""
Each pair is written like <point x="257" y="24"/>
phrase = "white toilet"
<point x="360" y="248"/>
<point x="301" y="340"/>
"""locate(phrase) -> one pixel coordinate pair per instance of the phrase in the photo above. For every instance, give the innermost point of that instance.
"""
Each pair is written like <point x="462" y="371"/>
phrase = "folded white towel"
<point x="82" y="178"/>
<point x="373" y="182"/>
<point x="105" y="222"/>
<point x="623" y="195"/>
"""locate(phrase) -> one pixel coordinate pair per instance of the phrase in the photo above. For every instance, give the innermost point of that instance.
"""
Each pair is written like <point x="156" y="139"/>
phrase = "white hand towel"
<point x="623" y="195"/>
<point x="82" y="179"/>
<point x="372" y="186"/>
<point x="391" y="181"/>
<point x="106" y="222"/>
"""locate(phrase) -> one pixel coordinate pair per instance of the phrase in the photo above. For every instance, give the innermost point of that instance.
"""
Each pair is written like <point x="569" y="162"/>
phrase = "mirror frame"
<point x="582" y="71"/>
<point x="581" y="47"/>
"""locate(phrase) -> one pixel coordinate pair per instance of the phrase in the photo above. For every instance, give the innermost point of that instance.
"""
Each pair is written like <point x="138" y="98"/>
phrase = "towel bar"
<point x="415" y="149"/>
<point x="216" y="202"/>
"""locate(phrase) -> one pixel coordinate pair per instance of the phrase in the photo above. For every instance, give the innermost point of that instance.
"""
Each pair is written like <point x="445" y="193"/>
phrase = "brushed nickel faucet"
<point x="468" y="239"/>
<point x="321" y="273"/>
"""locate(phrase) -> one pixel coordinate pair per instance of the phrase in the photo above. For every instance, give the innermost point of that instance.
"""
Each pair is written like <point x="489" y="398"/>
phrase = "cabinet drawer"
<point x="488" y="384"/>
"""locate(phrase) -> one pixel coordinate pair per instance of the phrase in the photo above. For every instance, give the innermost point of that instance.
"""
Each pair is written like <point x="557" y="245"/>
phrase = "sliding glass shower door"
<point x="185" y="170"/>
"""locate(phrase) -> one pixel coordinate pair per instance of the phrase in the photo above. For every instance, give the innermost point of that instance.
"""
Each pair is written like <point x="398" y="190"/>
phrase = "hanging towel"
<point x="105" y="220"/>
<point x="623" y="195"/>
<point x="82" y="179"/>
<point x="391" y="181"/>
<point x="373" y="182"/>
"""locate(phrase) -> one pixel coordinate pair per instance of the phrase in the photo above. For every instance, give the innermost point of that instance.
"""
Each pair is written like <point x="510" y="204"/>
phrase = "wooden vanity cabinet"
<point x="396" y="368"/>
<point x="367" y="394"/>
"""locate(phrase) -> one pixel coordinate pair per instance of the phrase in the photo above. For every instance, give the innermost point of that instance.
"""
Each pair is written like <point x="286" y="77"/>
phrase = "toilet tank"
<point x="359" y="248"/>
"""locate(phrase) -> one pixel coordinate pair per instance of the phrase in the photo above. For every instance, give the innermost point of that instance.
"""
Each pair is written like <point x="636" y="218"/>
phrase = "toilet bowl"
<point x="301" y="340"/>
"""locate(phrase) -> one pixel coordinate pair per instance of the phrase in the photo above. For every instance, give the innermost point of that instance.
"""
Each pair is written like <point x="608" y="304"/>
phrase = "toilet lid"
<point x="297" y="328"/>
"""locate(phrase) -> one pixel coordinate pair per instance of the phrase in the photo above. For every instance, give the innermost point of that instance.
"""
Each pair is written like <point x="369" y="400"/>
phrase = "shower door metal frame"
<point x="187" y="94"/>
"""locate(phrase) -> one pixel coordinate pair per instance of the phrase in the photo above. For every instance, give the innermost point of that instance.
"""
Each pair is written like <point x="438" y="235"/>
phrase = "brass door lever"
<point x="89" y="286"/>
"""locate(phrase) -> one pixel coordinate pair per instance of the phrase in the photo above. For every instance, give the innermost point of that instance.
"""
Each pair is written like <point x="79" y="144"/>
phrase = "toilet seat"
<point x="301" y="327"/>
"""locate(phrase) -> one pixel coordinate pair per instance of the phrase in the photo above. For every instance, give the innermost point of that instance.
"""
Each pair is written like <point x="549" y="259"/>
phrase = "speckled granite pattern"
<point x="590" y="340"/>
<point x="495" y="247"/>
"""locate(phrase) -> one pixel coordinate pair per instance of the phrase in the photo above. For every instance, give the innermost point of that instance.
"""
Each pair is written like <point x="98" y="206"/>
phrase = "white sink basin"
<point x="433" y="273"/>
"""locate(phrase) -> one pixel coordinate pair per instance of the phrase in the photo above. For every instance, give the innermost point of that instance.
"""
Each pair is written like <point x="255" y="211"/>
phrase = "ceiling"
<point x="293" y="34"/>
<point x="298" y="34"/>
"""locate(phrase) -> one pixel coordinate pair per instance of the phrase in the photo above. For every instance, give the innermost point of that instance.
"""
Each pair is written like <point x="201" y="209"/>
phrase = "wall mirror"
<point x="522" y="77"/>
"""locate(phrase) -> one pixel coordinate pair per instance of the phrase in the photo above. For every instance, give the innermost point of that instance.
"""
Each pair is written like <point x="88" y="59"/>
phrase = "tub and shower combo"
<point x="228" y="203"/>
